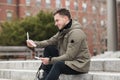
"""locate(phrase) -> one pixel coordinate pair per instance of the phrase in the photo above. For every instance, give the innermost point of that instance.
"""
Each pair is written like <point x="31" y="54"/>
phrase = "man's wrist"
<point x="50" y="58"/>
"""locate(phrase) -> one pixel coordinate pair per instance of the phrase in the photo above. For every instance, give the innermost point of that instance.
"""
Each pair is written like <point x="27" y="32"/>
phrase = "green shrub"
<point x="40" y="27"/>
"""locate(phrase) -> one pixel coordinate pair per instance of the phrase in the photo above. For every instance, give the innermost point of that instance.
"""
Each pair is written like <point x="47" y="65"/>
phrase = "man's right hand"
<point x="30" y="43"/>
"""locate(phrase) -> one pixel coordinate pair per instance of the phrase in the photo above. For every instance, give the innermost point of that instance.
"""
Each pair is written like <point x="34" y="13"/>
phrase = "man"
<point x="71" y="56"/>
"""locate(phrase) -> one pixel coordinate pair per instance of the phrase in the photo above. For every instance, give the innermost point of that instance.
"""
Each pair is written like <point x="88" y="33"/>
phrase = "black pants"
<point x="52" y="72"/>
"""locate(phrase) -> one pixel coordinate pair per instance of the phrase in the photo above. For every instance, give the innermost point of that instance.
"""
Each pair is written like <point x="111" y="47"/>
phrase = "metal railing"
<point x="19" y="51"/>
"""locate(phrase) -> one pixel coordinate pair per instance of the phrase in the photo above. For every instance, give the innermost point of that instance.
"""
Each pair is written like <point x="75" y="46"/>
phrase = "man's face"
<point x="60" y="21"/>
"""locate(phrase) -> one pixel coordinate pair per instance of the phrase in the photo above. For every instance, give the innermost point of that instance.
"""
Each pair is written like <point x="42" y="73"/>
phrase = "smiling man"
<point x="67" y="51"/>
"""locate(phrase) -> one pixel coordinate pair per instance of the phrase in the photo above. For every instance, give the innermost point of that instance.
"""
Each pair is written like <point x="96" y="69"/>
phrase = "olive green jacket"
<point x="72" y="46"/>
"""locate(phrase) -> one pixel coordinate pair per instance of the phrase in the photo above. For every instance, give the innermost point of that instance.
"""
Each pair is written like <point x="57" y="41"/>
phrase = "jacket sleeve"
<point x="44" y="43"/>
<point x="73" y="47"/>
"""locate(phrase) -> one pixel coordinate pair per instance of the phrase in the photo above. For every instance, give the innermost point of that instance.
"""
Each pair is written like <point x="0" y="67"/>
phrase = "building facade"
<point x="118" y="22"/>
<point x="92" y="15"/>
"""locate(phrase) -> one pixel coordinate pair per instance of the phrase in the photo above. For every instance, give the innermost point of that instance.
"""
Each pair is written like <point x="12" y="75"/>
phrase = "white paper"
<point x="27" y="36"/>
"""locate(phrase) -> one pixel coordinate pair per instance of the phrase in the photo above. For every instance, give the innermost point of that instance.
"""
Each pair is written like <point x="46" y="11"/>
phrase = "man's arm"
<point x="52" y="41"/>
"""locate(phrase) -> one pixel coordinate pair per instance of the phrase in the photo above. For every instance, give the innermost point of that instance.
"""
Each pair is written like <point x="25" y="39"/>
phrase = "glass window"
<point x="48" y="3"/>
<point x="102" y="10"/>
<point x="76" y="5"/>
<point x="102" y="23"/>
<point x="28" y="13"/>
<point x="9" y="15"/>
<point x="67" y="4"/>
<point x="94" y="22"/>
<point x="84" y="6"/>
<point x="9" y="1"/>
<point x="94" y="9"/>
<point x="58" y="3"/>
<point x="28" y="2"/>
<point x="38" y="3"/>
<point x="76" y="18"/>
<point x="84" y="20"/>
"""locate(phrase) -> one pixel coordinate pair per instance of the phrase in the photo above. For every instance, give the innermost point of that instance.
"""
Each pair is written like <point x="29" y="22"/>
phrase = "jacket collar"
<point x="66" y="26"/>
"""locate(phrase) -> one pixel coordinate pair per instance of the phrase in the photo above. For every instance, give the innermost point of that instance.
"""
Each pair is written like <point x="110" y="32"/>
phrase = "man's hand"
<point x="45" y="60"/>
<point x="30" y="43"/>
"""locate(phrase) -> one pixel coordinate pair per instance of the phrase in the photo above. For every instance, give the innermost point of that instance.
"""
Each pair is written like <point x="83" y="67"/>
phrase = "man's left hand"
<point x="45" y="61"/>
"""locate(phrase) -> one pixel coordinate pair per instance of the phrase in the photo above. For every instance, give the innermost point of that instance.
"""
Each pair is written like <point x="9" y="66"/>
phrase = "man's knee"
<point x="50" y="50"/>
<point x="49" y="47"/>
<point x="59" y="64"/>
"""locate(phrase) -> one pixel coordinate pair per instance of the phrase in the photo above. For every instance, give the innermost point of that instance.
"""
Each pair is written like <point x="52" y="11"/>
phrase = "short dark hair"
<point x="63" y="11"/>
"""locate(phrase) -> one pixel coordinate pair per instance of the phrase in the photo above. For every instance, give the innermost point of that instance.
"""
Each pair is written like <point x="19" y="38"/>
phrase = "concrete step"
<point x="25" y="65"/>
<point x="5" y="79"/>
<point x="14" y="74"/>
<point x="30" y="75"/>
<point x="100" y="69"/>
<point x="105" y="65"/>
<point x="92" y="76"/>
<point x="96" y="65"/>
<point x="108" y="54"/>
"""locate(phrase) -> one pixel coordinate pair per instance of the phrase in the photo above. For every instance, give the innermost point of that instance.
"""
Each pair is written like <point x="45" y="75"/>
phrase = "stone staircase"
<point x="100" y="69"/>
<point x="19" y="70"/>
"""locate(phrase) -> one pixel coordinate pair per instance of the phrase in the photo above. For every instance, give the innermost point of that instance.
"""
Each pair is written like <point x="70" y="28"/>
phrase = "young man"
<point x="71" y="56"/>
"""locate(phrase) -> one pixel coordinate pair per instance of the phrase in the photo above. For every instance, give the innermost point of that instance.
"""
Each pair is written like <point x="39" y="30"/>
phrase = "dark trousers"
<point x="53" y="71"/>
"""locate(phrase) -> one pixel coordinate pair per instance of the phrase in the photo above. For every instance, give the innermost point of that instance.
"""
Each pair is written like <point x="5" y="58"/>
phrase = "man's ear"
<point x="65" y="18"/>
